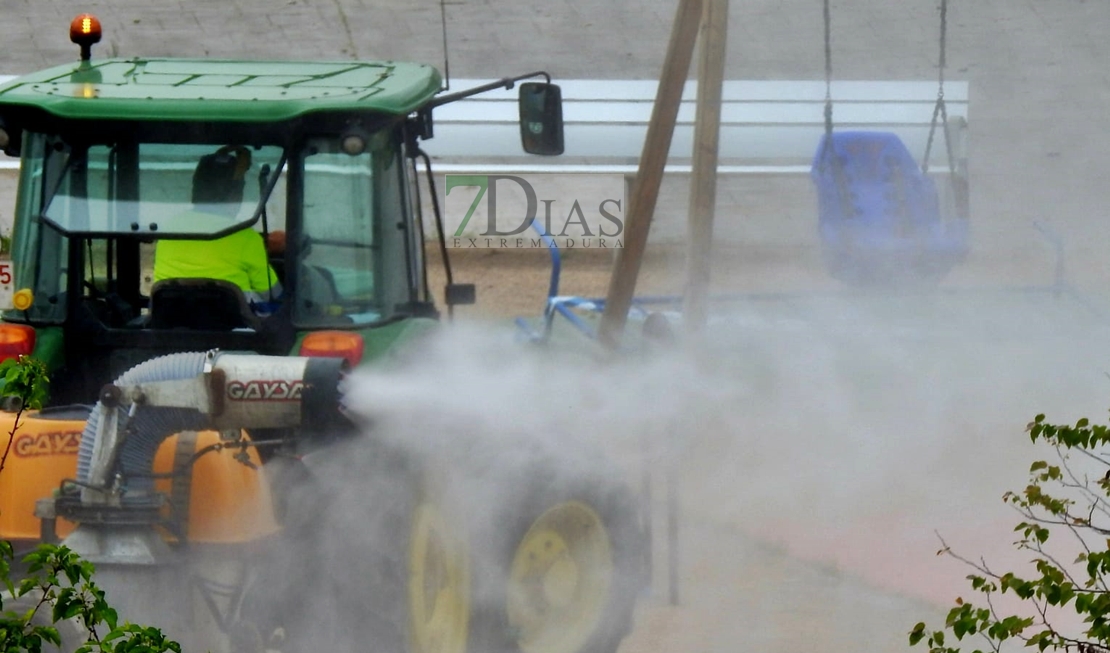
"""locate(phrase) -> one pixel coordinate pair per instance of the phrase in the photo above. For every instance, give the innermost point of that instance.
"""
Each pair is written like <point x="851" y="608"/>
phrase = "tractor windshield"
<point x="91" y="218"/>
<point x="165" y="194"/>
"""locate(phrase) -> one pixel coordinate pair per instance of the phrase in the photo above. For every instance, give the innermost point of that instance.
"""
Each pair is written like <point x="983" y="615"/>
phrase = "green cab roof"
<point x="213" y="90"/>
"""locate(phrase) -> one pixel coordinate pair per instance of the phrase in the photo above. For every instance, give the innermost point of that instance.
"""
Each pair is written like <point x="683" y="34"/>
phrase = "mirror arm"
<point x="506" y="83"/>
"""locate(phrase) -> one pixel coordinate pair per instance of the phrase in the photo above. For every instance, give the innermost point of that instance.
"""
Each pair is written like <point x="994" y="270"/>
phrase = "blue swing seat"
<point x="880" y="220"/>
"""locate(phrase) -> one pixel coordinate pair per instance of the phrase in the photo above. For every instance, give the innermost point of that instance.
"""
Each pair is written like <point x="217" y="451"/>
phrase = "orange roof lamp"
<point x="84" y="30"/>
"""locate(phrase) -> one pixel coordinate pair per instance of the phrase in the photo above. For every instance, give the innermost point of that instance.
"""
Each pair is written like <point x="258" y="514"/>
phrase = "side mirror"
<point x="541" y="118"/>
<point x="460" y="294"/>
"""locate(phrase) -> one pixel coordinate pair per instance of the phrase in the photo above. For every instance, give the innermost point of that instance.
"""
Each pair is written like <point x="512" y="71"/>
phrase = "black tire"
<point x="343" y="570"/>
<point x="515" y="613"/>
<point x="342" y="577"/>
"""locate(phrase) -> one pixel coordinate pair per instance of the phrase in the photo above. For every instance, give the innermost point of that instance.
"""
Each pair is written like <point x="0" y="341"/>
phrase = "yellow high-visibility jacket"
<point x="238" y="257"/>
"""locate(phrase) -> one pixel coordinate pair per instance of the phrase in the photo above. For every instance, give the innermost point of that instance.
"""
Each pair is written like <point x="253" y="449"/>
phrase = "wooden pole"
<point x="703" y="179"/>
<point x="645" y="192"/>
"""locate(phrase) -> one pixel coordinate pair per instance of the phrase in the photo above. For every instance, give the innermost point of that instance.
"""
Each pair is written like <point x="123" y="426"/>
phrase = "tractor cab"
<point x="109" y="157"/>
<point x="323" y="156"/>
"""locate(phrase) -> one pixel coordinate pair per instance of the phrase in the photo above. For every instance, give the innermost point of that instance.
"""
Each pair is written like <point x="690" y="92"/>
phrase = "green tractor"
<point x="187" y="484"/>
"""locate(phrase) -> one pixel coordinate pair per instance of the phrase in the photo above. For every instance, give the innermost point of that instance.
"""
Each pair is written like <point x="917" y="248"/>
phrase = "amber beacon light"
<point x="84" y="30"/>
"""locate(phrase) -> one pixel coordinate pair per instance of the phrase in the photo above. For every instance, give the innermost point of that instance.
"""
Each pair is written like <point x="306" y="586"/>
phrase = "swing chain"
<point x="828" y="82"/>
<point x="943" y="47"/>
<point x="847" y="207"/>
<point x="940" y="110"/>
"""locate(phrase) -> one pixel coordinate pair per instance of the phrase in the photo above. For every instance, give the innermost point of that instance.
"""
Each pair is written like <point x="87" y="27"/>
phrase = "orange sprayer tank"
<point x="228" y="501"/>
<point x="42" y="454"/>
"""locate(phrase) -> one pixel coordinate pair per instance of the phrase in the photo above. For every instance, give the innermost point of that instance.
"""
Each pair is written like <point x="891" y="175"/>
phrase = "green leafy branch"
<point x="1056" y="500"/>
<point x="58" y="587"/>
<point x="60" y="583"/>
<point x="25" y="384"/>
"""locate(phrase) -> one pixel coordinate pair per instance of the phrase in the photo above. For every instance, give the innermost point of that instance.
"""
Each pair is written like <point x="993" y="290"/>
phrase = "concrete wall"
<point x="1036" y="69"/>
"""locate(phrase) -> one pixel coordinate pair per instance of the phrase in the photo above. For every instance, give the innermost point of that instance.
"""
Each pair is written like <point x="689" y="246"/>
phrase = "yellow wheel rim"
<point x="439" y="585"/>
<point x="560" y="580"/>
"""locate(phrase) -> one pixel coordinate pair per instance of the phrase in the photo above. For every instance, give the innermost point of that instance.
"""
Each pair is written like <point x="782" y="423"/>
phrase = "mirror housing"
<point x="460" y="294"/>
<point x="541" y="118"/>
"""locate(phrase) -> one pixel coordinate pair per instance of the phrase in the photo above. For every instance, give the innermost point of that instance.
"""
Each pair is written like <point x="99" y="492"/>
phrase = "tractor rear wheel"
<point x="567" y="568"/>
<point x="376" y="567"/>
<point x="383" y="563"/>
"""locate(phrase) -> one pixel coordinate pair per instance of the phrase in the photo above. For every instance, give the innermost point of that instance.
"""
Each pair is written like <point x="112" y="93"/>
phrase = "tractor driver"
<point x="239" y="257"/>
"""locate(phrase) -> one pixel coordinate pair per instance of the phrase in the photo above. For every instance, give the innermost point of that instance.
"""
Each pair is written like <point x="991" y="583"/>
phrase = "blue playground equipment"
<point x="880" y="217"/>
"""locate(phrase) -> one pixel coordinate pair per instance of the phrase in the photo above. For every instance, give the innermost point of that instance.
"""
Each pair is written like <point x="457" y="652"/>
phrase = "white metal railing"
<point x="767" y="127"/>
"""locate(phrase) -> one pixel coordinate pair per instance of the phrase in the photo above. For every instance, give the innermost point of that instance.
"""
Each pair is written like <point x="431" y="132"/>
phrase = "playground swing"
<point x="881" y="220"/>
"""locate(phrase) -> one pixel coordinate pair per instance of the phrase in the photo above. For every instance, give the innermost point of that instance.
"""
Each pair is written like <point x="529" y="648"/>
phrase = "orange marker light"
<point x="334" y="344"/>
<point x="16" y="340"/>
